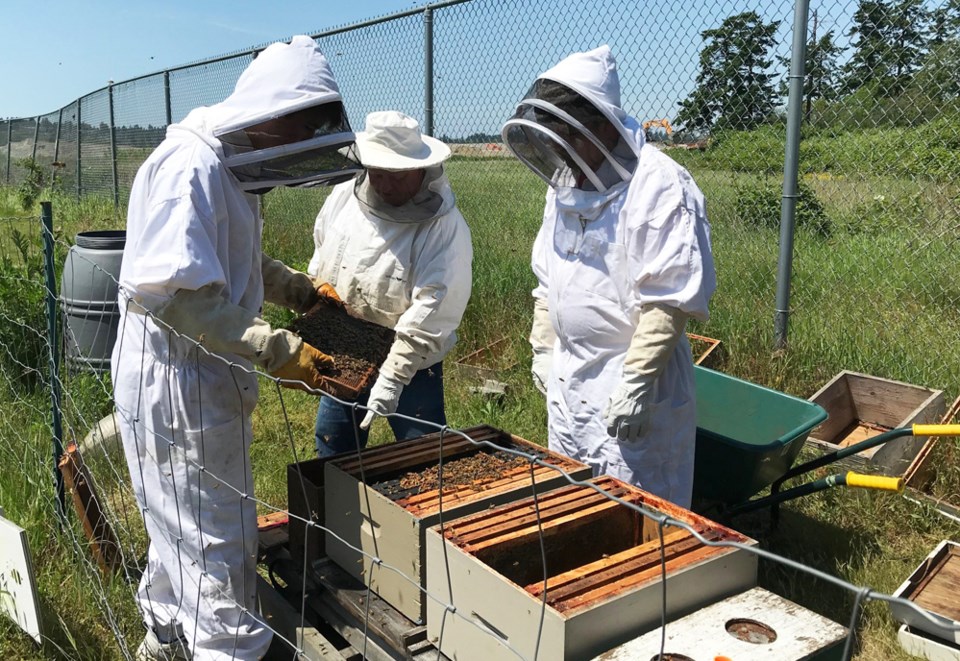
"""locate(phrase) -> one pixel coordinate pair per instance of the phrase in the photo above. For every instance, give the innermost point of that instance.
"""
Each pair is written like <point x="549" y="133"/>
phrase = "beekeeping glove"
<point x="384" y="399"/>
<point x="222" y="327"/>
<point x="305" y="367"/>
<point x="326" y="292"/>
<point x="288" y="287"/>
<point x="542" y="339"/>
<point x="627" y="414"/>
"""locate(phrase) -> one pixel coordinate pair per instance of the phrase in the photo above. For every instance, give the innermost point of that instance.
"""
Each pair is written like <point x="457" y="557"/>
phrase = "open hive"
<point x="358" y="347"/>
<point x="604" y="568"/>
<point x="383" y="500"/>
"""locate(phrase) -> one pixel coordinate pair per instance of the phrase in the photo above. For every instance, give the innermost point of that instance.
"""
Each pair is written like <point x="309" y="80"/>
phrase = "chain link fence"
<point x="874" y="285"/>
<point x="877" y="204"/>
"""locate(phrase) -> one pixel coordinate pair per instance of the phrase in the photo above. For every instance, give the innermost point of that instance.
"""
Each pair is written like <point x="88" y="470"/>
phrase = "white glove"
<point x="542" y="339"/>
<point x="540" y="369"/>
<point x="627" y="414"/>
<point x="384" y="399"/>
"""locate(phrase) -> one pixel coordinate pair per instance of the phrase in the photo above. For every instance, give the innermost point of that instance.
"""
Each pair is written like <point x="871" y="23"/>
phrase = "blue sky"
<point x="68" y="48"/>
<point x="486" y="52"/>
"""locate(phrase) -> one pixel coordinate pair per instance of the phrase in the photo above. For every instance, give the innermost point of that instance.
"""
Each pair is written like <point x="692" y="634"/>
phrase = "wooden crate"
<point x="861" y="406"/>
<point x="391" y="527"/>
<point x="935" y="587"/>
<point x="489" y="362"/>
<point x="755" y="625"/>
<point x="604" y="563"/>
<point x="706" y="350"/>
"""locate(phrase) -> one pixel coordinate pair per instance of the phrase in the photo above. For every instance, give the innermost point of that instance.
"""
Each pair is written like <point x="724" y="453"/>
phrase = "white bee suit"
<point x="192" y="227"/>
<point x="414" y="277"/>
<point x="599" y="257"/>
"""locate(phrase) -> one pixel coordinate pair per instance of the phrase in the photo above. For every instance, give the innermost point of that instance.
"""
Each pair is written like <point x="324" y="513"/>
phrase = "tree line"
<point x="899" y="47"/>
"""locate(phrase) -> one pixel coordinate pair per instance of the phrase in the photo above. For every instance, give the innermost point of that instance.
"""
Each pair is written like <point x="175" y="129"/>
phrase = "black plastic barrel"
<point x="88" y="298"/>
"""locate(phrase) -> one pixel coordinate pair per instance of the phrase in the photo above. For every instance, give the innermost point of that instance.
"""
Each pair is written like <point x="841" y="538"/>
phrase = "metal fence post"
<point x="166" y="98"/>
<point x="791" y="168"/>
<point x="53" y="344"/>
<point x="113" y="147"/>
<point x="36" y="137"/>
<point x="428" y="70"/>
<point x="79" y="148"/>
<point x="9" y="146"/>
<point x="56" y="149"/>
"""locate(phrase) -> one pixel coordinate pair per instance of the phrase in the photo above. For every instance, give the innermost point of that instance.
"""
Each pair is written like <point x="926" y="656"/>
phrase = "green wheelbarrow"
<point x="748" y="437"/>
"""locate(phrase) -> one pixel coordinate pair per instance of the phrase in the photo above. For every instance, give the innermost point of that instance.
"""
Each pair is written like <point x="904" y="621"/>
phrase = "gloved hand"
<point x="542" y="339"/>
<point x="540" y="369"/>
<point x="306" y="367"/>
<point x="627" y="414"/>
<point x="327" y="293"/>
<point x="384" y="399"/>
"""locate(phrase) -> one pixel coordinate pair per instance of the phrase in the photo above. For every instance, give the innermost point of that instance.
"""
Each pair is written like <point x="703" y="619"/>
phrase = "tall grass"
<point x="858" y="303"/>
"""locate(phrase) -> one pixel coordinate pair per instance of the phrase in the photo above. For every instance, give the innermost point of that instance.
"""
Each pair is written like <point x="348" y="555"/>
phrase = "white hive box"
<point x="387" y="520"/>
<point x="935" y="587"/>
<point x="604" y="566"/>
<point x="756" y="625"/>
<point x="925" y="646"/>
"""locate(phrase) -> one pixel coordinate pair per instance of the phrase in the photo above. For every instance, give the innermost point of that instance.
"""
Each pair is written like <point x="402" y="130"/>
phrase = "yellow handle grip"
<point x="878" y="482"/>
<point x="936" y="430"/>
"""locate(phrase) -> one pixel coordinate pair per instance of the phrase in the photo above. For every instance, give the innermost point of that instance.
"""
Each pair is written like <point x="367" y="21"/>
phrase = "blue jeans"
<point x="422" y="398"/>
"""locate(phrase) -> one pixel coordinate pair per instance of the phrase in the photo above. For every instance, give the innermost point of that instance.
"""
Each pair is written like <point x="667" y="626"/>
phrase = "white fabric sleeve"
<point x="441" y="283"/>
<point x="668" y="242"/>
<point x="177" y="246"/>
<point x="285" y="286"/>
<point x="318" y="229"/>
<point x="222" y="327"/>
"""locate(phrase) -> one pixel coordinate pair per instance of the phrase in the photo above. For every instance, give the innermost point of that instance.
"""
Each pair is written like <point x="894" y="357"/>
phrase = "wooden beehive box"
<point x="755" y="625"/>
<point x="305" y="502"/>
<point x="373" y="503"/>
<point x="935" y="587"/>
<point x="604" y="566"/>
<point x="860" y="406"/>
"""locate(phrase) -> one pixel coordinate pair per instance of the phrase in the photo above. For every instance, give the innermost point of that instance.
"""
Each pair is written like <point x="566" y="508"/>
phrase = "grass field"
<point x="878" y="295"/>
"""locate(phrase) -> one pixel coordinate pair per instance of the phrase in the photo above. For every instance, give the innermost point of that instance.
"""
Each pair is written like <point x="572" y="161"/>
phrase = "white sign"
<point x="18" y="593"/>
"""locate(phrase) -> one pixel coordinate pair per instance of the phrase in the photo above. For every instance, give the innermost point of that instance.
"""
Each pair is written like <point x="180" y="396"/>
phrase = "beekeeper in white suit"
<point x="193" y="271"/>
<point x="623" y="260"/>
<point x="397" y="250"/>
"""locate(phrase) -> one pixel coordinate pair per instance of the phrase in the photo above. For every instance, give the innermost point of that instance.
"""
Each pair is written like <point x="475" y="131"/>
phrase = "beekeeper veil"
<point x="284" y="124"/>
<point x="570" y="129"/>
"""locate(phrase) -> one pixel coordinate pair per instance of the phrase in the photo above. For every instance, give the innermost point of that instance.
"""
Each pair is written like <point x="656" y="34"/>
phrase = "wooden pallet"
<point x="339" y="624"/>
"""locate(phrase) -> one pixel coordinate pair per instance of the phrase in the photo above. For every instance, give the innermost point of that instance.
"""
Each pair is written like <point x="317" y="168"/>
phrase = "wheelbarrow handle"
<point x="848" y="479"/>
<point x="936" y="430"/>
<point x="878" y="482"/>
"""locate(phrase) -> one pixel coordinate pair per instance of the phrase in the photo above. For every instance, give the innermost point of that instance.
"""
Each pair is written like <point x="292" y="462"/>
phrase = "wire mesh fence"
<point x="874" y="287"/>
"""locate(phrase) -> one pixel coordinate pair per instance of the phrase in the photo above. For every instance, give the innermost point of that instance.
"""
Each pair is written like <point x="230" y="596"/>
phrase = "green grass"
<point x="879" y="295"/>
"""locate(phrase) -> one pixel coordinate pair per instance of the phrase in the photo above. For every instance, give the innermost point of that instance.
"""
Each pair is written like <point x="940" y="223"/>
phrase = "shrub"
<point x="23" y="321"/>
<point x="760" y="204"/>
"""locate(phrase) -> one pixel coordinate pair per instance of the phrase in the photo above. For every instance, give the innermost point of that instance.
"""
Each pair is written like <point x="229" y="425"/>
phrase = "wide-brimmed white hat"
<point x="392" y="141"/>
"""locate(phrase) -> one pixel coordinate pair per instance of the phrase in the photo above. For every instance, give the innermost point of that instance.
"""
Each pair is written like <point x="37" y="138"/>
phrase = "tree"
<point x="891" y="42"/>
<point x="734" y="87"/>
<point x="822" y="73"/>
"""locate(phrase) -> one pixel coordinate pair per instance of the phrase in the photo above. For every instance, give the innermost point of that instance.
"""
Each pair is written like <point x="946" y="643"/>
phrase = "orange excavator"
<point x="658" y="123"/>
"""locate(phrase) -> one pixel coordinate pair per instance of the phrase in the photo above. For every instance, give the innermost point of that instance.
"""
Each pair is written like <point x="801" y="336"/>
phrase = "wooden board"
<point x="939" y="591"/>
<point x="935" y="587"/>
